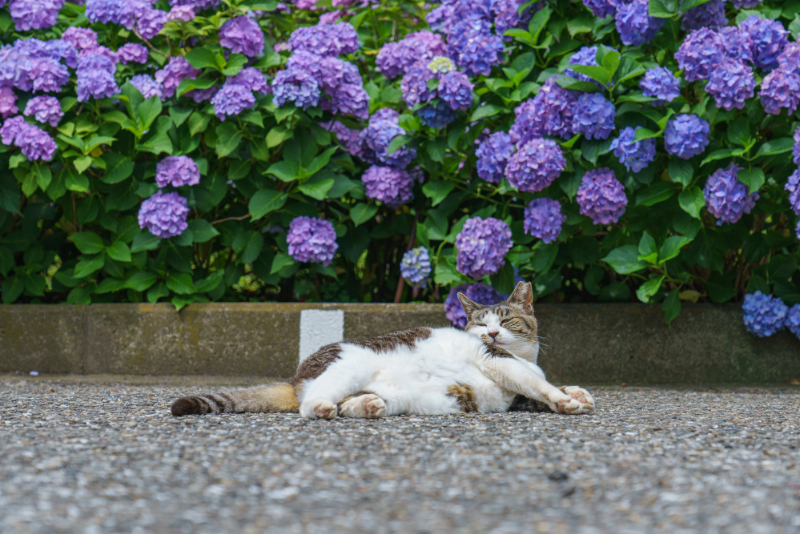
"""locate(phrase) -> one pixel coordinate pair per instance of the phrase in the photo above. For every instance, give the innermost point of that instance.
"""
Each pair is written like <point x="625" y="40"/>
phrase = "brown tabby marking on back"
<point x="393" y="340"/>
<point x="353" y="396"/>
<point x="464" y="396"/>
<point x="524" y="404"/>
<point x="315" y="365"/>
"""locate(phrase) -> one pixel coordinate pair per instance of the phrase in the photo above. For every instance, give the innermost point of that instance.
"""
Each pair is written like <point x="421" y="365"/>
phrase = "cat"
<point x="490" y="366"/>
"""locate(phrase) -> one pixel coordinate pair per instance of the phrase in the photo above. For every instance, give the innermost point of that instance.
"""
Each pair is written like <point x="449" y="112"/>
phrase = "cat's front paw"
<point x="582" y="401"/>
<point x="318" y="409"/>
<point x="374" y="407"/>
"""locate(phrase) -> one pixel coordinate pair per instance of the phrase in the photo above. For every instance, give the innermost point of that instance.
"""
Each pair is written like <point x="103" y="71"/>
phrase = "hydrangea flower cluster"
<point x="436" y="115"/>
<point x="164" y="215"/>
<point x="793" y="320"/>
<point x="416" y="266"/>
<point x="8" y="102"/>
<point x="601" y="196"/>
<point x="242" y="35"/>
<point x="731" y="83"/>
<point x="237" y="95"/>
<point x="395" y="59"/>
<point x="587" y="57"/>
<point x="392" y="186"/>
<point x="686" y="136"/>
<point x="478" y="292"/>
<point x="635" y="155"/>
<point x="33" y="142"/>
<point x="96" y="77"/>
<point x="601" y="8"/>
<point x="699" y="53"/>
<point x="147" y="86"/>
<point x="726" y="197"/>
<point x="375" y="139"/>
<point x="80" y="38"/>
<point x="181" y="13"/>
<point x="312" y="240"/>
<point x="764" y="315"/>
<point x="737" y="44"/>
<point x="482" y="246"/>
<point x="132" y="53"/>
<point x="507" y="15"/>
<point x="780" y="89"/>
<point x="593" y="116"/>
<point x="768" y="38"/>
<point x="660" y="83"/>
<point x="789" y="59"/>
<point x="454" y="91"/>
<point x="543" y="219"/>
<point x="326" y="40"/>
<point x="709" y="15"/>
<point x="535" y="165"/>
<point x="177" y="171"/>
<point x="796" y="147"/>
<point x="34" y="14"/>
<point x="45" y="109"/>
<point x="493" y="153"/>
<point x="173" y="73"/>
<point x="137" y="15"/>
<point x="347" y="137"/>
<point x="35" y="66"/>
<point x="634" y="24"/>
<point x="550" y="112"/>
<point x="793" y="187"/>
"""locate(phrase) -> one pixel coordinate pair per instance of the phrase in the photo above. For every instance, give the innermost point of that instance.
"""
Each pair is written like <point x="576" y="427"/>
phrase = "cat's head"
<point x="509" y="324"/>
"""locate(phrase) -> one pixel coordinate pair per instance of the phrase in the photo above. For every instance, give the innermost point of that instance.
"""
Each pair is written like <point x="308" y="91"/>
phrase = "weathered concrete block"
<point x="49" y="339"/>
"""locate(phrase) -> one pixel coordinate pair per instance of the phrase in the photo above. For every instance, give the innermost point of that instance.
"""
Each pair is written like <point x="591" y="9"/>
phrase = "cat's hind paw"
<point x="374" y="407"/>
<point x="318" y="409"/>
<point x="580" y="402"/>
<point x="367" y="406"/>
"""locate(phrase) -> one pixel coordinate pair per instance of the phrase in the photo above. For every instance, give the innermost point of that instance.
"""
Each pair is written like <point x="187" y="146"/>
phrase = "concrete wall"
<point x="585" y="343"/>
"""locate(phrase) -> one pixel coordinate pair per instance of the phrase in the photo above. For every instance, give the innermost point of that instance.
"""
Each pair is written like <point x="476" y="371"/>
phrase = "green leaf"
<point x="446" y="274"/>
<point x="648" y="289"/>
<point x="361" y="212"/>
<point x="109" y="285"/>
<point x="266" y="201"/>
<point x="149" y="110"/>
<point x="568" y="82"/>
<point x="584" y="249"/>
<point x="580" y="24"/>
<point x="12" y="288"/>
<point x="437" y="191"/>
<point x="655" y="193"/>
<point x="489" y="110"/>
<point x="141" y="281"/>
<point x="118" y="168"/>
<point x="156" y="292"/>
<point x="9" y="194"/>
<point x="317" y="188"/>
<point x="776" y="146"/>
<point x="753" y="178"/>
<point x="6" y="261"/>
<point x="739" y="131"/>
<point x="87" y="242"/>
<point x="436" y="149"/>
<point x="692" y="201"/>
<point x="647" y="249"/>
<point x="82" y="163"/>
<point x="625" y="260"/>
<point x="319" y="162"/>
<point x="88" y="265"/>
<point x="234" y="65"/>
<point x="397" y="143"/>
<point x="680" y="171"/>
<point x="43" y="176"/>
<point x="202" y="231"/>
<point x="794" y="27"/>
<point x="599" y="74"/>
<point x="75" y="182"/>
<point x="228" y="139"/>
<point x="671" y="307"/>
<point x="672" y="247"/>
<point x="278" y="135"/>
<point x="608" y="58"/>
<point x="198" y="122"/>
<point x="538" y="22"/>
<point x="252" y="247"/>
<point x="280" y="261"/>
<point x="201" y="58"/>
<point x="657" y="9"/>
<point x="210" y="283"/>
<point x="181" y="283"/>
<point x="286" y="171"/>
<point x="159" y="143"/>
<point x="433" y="84"/>
<point x="119" y="251"/>
<point x="145" y="241"/>
<point x="644" y="133"/>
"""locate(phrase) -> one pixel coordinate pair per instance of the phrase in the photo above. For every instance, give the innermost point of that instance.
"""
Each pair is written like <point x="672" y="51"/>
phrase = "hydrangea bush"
<point x="202" y="150"/>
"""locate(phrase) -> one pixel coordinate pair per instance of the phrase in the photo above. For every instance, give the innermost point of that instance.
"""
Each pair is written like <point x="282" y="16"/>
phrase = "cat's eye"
<point x="480" y="324"/>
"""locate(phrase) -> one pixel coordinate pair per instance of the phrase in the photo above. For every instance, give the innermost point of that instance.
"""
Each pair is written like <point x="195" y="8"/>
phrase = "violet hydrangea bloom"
<point x="482" y="246"/>
<point x="769" y="39"/>
<point x="164" y="214"/>
<point x="234" y="98"/>
<point x="731" y="83"/>
<point x="660" y="83"/>
<point x="726" y="197"/>
<point x="764" y="315"/>
<point x="375" y="140"/>
<point x="601" y="8"/>
<point x="8" y="102"/>
<point x="796" y="147"/>
<point x="198" y="5"/>
<point x="789" y="59"/>
<point x="593" y="116"/>
<point x="325" y="39"/>
<point x="11" y="129"/>
<point x="601" y="196"/>
<point x="550" y="112"/>
<point x="709" y="15"/>
<point x="150" y="23"/>
<point x="737" y="44"/>
<point x="634" y="24"/>
<point x="507" y="15"/>
<point x="535" y="165"/>
<point x="45" y="109"/>
<point x="414" y="84"/>
<point x="686" y="136"/>
<point x="456" y="90"/>
<point x="96" y="77"/>
<point x="699" y="53"/>
<point x="33" y="142"/>
<point x="80" y="38"/>
<point x="793" y="320"/>
<point x="173" y="73"/>
<point x="147" y="86"/>
<point x="181" y="13"/>
<point x="416" y="266"/>
<point x="478" y="292"/>
<point x="473" y="47"/>
<point x="543" y="219"/>
<point x="312" y="240"/>
<point x="393" y="187"/>
<point x="780" y="89"/>
<point x="747" y="4"/>
<point x="436" y="114"/>
<point x="395" y="59"/>
<point x="251" y="78"/>
<point x="242" y="35"/>
<point x="347" y="137"/>
<point x="793" y="187"/>
<point x="493" y="153"/>
<point x="34" y="14"/>
<point x="635" y="155"/>
<point x="177" y="171"/>
<point x="132" y="53"/>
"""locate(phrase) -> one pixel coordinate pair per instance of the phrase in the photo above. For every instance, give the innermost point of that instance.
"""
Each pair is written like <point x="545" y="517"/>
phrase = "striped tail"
<point x="276" y="397"/>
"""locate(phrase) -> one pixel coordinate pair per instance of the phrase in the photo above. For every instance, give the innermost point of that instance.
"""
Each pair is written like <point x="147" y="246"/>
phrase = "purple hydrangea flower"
<point x="349" y="99"/>
<point x="764" y="315"/>
<point x="325" y="39"/>
<point x="58" y="49"/>
<point x="731" y="83"/>
<point x="414" y="84"/>
<point x="493" y="153"/>
<point x="686" y="136"/>
<point x="198" y="5"/>
<point x="104" y="11"/>
<point x="375" y="139"/>
<point x="132" y="53"/>
<point x="393" y="187"/>
<point x="550" y="112"/>
<point x="747" y="4"/>
<point x="709" y="15"/>
<point x="151" y="22"/>
<point x="8" y="102"/>
<point x="702" y="50"/>
<point x="233" y="98"/>
<point x="11" y="129"/>
<point x="507" y="16"/>
<point x="96" y="77"/>
<point x="177" y="171"/>
<point x="436" y="114"/>
<point x="456" y="90"/>
<point x="295" y="86"/>
<point x="395" y="59"/>
<point x="594" y="116"/>
<point x="33" y="142"/>
<point x="347" y="137"/>
<point x="737" y="44"/>
<point x="45" y="109"/>
<point x="242" y="35"/>
<point x="181" y="13"/>
<point x="253" y="79"/>
<point x="660" y="83"/>
<point x="726" y="196"/>
<point x="416" y="266"/>
<point x="601" y="8"/>
<point x="793" y="320"/>
<point x="474" y="48"/>
<point x="34" y="14"/>
<point x="796" y="148"/>
<point x="789" y="59"/>
<point x="634" y="24"/>
<point x="312" y="240"/>
<point x="80" y="38"/>
<point x="793" y="187"/>
<point x="385" y="114"/>
<point x="780" y="89"/>
<point x="635" y="155"/>
<point x="769" y="39"/>
<point x="536" y="164"/>
<point x="164" y="214"/>
<point x="482" y="246"/>
<point x="543" y="219"/>
<point x="177" y="70"/>
<point x="147" y="86"/>
<point x="478" y="292"/>
<point x="601" y="196"/>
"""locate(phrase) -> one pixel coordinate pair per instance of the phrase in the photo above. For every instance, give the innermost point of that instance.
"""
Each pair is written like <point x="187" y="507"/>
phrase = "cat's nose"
<point x="493" y="334"/>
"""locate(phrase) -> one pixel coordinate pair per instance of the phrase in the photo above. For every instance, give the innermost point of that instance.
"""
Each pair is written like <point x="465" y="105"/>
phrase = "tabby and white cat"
<point x="488" y="367"/>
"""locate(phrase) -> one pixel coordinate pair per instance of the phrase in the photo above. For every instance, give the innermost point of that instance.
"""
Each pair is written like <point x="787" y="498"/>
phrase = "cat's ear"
<point x="522" y="296"/>
<point x="469" y="306"/>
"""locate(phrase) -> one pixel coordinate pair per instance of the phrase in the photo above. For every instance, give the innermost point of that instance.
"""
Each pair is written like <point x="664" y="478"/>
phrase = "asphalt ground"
<point x="103" y="454"/>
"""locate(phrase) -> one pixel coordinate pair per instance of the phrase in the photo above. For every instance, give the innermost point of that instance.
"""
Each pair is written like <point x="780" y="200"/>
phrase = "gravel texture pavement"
<point x="94" y="457"/>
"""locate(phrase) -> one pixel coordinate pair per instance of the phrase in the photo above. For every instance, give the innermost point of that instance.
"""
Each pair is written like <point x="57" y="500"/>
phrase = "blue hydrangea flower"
<point x="699" y="53"/>
<point x="793" y="320"/>
<point x="414" y="84"/>
<point x="507" y="15"/>
<point x="173" y="73"/>
<point x="234" y="98"/>
<point x="796" y="147"/>
<point x="96" y="78"/>
<point x="793" y="187"/>
<point x="769" y="39"/>
<point x="634" y="24"/>
<point x="686" y="136"/>
<point x="601" y="8"/>
<point x="436" y="114"/>
<point x="747" y="4"/>
<point x="132" y="53"/>
<point x="181" y="14"/>
<point x="312" y="240"/>
<point x="764" y="315"/>
<point x="474" y="48"/>
<point x="543" y="219"/>
<point x="594" y="116"/>
<point x="296" y="86"/>
<point x="709" y="15"/>
<point x="780" y="89"/>
<point x="601" y="196"/>
<point x="33" y="142"/>
<point x="34" y="14"/>
<point x="635" y="155"/>
<point x="726" y="197"/>
<point x="242" y="35"/>
<point x="493" y="153"/>
<point x="80" y="38"/>
<point x="150" y="23"/>
<point x="395" y="59"/>
<point x="251" y="78"/>
<point x="177" y="171"/>
<point x="731" y="83"/>
<point x="164" y="214"/>
<point x="416" y="266"/>
<point x="8" y="102"/>
<point x="660" y="83"/>
<point x="147" y="86"/>
<point x="45" y="109"/>
<point x="394" y="187"/>
<point x="482" y="246"/>
<point x="375" y="139"/>
<point x="737" y="44"/>
<point x="550" y="112"/>
<point x="789" y="59"/>
<point x="535" y="165"/>
<point x="456" y="90"/>
<point x="325" y="39"/>
<point x="478" y="292"/>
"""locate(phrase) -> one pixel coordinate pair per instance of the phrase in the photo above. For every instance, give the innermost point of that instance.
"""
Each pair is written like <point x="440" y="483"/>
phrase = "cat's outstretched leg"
<point x="367" y="406"/>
